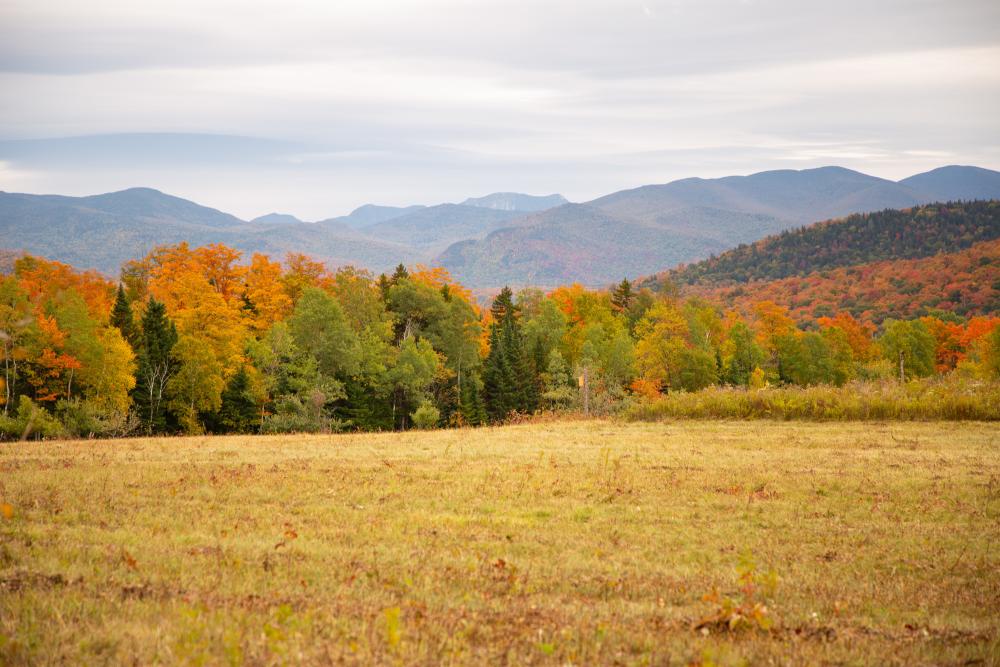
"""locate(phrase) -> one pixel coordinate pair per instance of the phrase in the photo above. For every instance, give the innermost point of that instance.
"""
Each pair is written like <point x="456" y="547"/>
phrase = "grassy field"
<point x="556" y="543"/>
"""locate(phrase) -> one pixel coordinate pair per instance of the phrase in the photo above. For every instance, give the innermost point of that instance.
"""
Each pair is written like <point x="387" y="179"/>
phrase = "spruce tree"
<point x="155" y="366"/>
<point x="238" y="413"/>
<point x="510" y="377"/>
<point x="399" y="274"/>
<point x="121" y="317"/>
<point x="622" y="296"/>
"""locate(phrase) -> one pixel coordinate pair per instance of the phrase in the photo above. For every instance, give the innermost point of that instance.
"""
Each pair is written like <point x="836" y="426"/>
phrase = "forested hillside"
<point x="966" y="283"/>
<point x="912" y="233"/>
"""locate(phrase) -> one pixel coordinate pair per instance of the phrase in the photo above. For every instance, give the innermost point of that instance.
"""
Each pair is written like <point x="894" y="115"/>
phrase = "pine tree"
<point x="622" y="296"/>
<point x="399" y="274"/>
<point x="502" y="304"/>
<point x="383" y="283"/>
<point x="121" y="317"/>
<point x="510" y="377"/>
<point x="238" y="413"/>
<point x="471" y="407"/>
<point x="155" y="366"/>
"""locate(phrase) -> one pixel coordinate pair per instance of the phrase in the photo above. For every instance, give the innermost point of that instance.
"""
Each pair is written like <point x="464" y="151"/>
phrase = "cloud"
<point x="334" y="104"/>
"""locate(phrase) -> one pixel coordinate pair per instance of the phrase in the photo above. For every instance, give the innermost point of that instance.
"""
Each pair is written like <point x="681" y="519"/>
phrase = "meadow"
<point x="563" y="542"/>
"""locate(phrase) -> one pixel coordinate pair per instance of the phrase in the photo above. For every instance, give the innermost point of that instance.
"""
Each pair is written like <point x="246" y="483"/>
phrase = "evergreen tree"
<point x="509" y="376"/>
<point x="383" y="285"/>
<point x="399" y="274"/>
<point x="622" y="296"/>
<point x="472" y="409"/>
<point x="238" y="413"/>
<point x="502" y="304"/>
<point x="497" y="388"/>
<point x="121" y="317"/>
<point x="156" y="366"/>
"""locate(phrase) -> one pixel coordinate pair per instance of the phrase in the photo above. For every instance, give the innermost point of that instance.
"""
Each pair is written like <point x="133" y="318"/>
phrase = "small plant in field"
<point x="747" y="610"/>
<point x="717" y="658"/>
<point x="393" y="627"/>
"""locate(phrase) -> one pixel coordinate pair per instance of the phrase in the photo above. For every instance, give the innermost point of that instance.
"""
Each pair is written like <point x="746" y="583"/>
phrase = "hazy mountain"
<point x="955" y="182"/>
<point x="515" y="201"/>
<point x="434" y="228"/>
<point x="628" y="233"/>
<point x="688" y="220"/>
<point x="103" y="231"/>
<point x="371" y="214"/>
<point x="276" y="219"/>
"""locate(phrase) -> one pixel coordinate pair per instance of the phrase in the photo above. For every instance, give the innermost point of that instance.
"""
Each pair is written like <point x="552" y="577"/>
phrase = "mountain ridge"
<point x="626" y="233"/>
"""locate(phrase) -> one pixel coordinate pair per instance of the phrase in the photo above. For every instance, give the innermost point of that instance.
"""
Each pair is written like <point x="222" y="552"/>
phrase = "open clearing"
<point x="586" y="542"/>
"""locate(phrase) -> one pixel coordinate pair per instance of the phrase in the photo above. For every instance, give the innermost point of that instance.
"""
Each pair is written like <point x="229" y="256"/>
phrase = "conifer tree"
<point x="509" y="376"/>
<point x="156" y="366"/>
<point x="121" y="317"/>
<point x="622" y="296"/>
<point x="238" y="413"/>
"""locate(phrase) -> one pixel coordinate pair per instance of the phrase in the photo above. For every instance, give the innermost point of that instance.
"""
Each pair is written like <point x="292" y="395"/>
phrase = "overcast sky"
<point x="313" y="108"/>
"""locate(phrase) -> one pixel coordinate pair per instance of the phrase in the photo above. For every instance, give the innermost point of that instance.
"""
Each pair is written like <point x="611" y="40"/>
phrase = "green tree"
<point x="805" y="359"/>
<point x="17" y="328"/>
<point x="622" y="296"/>
<point x="740" y="355"/>
<point x="473" y="410"/>
<point x="411" y="377"/>
<point x="696" y="369"/>
<point x="320" y="329"/>
<point x="156" y="367"/>
<point x="122" y="318"/>
<point x="238" y="412"/>
<point x="509" y="377"/>
<point x="910" y="346"/>
<point x="559" y="390"/>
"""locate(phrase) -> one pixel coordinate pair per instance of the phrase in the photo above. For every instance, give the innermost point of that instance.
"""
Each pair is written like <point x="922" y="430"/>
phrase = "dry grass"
<point x="575" y="542"/>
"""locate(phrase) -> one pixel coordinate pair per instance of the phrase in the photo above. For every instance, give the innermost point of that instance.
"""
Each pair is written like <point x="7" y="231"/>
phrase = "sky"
<point x="314" y="108"/>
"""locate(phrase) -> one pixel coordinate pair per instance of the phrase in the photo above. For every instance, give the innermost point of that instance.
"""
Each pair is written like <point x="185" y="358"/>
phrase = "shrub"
<point x="946" y="398"/>
<point x="426" y="416"/>
<point x="30" y="421"/>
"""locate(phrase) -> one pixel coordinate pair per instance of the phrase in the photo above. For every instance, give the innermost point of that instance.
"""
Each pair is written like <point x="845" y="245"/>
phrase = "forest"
<point x="195" y="340"/>
<point x="921" y="231"/>
<point x="964" y="283"/>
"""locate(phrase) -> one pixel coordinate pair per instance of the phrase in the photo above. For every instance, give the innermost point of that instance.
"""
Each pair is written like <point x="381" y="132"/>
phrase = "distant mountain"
<point x="955" y="182"/>
<point x="371" y="214"/>
<point x="685" y="221"/>
<point x="103" y="231"/>
<point x="514" y="201"/>
<point x="276" y="219"/>
<point x="434" y="228"/>
<point x="572" y="243"/>
<point x="488" y="241"/>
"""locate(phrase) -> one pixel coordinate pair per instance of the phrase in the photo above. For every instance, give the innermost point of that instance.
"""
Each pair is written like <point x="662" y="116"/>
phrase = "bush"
<point x="426" y="416"/>
<point x="946" y="398"/>
<point x="83" y="419"/>
<point x="30" y="421"/>
<point x="296" y="416"/>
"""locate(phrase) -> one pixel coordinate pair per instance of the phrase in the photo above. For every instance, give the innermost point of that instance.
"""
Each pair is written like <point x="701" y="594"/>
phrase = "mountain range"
<point x="502" y="238"/>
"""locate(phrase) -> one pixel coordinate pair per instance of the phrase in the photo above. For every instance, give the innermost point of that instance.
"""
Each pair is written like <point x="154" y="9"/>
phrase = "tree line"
<point x="194" y="340"/>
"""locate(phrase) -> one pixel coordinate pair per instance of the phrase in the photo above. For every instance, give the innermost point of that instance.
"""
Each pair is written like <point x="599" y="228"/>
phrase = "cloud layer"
<point x="313" y="108"/>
